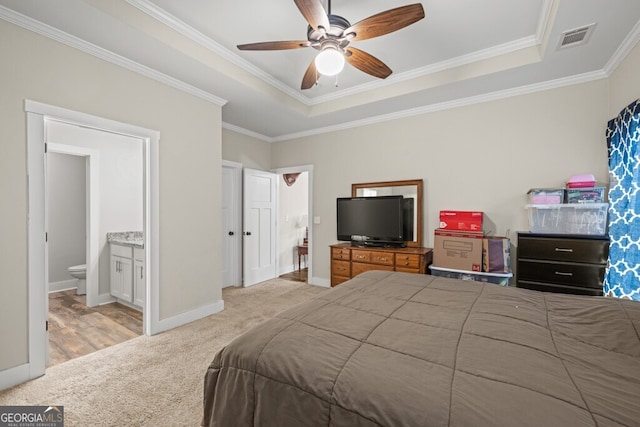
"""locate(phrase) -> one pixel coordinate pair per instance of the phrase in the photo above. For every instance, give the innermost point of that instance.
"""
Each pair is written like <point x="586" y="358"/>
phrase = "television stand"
<point x="348" y="261"/>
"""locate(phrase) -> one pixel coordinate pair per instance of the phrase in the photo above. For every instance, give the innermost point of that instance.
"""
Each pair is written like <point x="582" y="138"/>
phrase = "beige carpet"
<point x="155" y="381"/>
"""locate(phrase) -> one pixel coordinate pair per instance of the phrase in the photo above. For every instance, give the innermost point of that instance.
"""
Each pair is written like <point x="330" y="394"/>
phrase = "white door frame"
<point x="309" y="169"/>
<point x="36" y="115"/>
<point x="92" y="247"/>
<point x="235" y="248"/>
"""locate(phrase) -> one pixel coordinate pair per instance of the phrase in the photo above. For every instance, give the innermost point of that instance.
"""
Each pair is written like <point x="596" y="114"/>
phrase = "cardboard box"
<point x="458" y="249"/>
<point x="465" y="221"/>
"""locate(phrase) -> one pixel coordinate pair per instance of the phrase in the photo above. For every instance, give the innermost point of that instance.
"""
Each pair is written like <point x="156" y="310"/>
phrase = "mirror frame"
<point x="417" y="183"/>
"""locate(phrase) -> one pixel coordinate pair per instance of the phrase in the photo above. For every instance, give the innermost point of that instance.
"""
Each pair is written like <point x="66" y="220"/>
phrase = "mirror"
<point x="408" y="189"/>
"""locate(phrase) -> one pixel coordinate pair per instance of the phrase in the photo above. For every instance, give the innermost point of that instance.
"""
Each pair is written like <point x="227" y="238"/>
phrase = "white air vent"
<point x="576" y="37"/>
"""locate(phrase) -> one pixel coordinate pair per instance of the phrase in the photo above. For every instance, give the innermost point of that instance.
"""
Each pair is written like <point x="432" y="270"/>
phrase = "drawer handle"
<point x="383" y="259"/>
<point x="360" y="256"/>
<point x="564" y="250"/>
<point x="560" y="273"/>
<point x="406" y="263"/>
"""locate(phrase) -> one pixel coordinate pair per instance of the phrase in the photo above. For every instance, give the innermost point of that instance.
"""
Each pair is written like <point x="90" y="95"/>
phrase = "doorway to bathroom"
<point x="79" y="321"/>
<point x="37" y="134"/>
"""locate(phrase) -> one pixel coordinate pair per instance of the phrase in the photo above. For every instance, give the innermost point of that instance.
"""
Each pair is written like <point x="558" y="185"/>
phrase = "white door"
<point x="231" y="224"/>
<point x="259" y="226"/>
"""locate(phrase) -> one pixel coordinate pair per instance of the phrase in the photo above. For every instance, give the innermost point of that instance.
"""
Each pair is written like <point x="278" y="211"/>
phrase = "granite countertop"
<point x="126" y="238"/>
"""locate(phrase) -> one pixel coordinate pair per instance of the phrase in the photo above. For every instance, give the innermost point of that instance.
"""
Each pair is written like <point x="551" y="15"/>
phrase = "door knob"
<point x="231" y="233"/>
<point x="247" y="233"/>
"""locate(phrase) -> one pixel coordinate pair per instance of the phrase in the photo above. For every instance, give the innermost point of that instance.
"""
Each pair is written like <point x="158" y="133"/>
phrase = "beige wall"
<point x="624" y="84"/>
<point x="251" y="152"/>
<point x="36" y="68"/>
<point x="482" y="157"/>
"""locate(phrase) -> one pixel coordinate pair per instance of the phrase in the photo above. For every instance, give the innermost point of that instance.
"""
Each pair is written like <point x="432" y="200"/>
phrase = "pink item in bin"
<point x="582" y="181"/>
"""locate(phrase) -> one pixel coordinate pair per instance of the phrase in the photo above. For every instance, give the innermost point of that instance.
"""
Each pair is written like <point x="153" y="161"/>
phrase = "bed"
<point x="399" y="349"/>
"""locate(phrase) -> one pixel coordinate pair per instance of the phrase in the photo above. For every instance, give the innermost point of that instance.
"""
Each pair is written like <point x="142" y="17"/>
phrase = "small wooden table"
<point x="302" y="250"/>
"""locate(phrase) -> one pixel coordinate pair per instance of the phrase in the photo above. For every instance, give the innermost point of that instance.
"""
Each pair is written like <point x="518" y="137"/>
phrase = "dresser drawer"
<point x="545" y="287"/>
<point x="341" y="253"/>
<point x="405" y="261"/>
<point x="382" y="258"/>
<point x="564" y="249"/>
<point x="341" y="268"/>
<point x="361" y="256"/>
<point x="570" y="274"/>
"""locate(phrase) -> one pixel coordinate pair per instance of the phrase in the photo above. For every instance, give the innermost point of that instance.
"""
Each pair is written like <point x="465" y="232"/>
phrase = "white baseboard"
<point x="286" y="270"/>
<point x="188" y="317"/>
<point x="63" y="285"/>
<point x="105" y="299"/>
<point x="14" y="376"/>
<point x="318" y="281"/>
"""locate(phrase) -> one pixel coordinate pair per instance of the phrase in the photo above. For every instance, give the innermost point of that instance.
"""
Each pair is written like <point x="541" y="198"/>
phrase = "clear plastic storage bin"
<point x="501" y="279"/>
<point x="574" y="218"/>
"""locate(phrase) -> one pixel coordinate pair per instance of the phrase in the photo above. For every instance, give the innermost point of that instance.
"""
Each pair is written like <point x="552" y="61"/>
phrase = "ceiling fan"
<point x="332" y="35"/>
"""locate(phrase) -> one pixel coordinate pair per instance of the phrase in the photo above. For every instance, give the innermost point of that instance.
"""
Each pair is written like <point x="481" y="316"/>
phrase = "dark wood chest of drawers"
<point x="562" y="263"/>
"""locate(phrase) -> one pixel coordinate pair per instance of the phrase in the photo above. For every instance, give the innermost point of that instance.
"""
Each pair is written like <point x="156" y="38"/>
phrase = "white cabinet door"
<point x="138" y="283"/>
<point x="126" y="270"/>
<point x="115" y="279"/>
<point x="121" y="278"/>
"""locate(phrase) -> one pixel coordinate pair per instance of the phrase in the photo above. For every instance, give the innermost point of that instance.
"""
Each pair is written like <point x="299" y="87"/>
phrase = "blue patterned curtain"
<point x="622" y="279"/>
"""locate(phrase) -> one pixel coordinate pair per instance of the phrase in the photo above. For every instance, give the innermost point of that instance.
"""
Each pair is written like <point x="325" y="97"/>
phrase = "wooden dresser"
<point x="348" y="261"/>
<point x="571" y="264"/>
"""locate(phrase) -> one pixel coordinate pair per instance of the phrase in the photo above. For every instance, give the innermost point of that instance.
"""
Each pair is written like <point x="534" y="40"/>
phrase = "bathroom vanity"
<point x="126" y="268"/>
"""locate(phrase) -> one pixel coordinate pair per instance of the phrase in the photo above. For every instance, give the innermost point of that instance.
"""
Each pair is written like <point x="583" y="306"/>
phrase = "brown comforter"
<point x="397" y="349"/>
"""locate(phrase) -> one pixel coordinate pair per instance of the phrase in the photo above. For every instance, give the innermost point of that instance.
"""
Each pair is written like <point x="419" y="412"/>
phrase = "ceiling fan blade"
<point x="310" y="76"/>
<point x="368" y="63"/>
<point x="293" y="44"/>
<point x="386" y="22"/>
<point x="314" y="13"/>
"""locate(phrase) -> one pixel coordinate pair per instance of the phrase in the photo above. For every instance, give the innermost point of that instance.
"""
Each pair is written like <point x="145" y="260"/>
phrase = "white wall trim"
<point x="319" y="281"/>
<point x="63" y="285"/>
<point x="197" y="37"/>
<point x="243" y="131"/>
<point x="447" y="105"/>
<point x="623" y="50"/>
<point x="104" y="54"/>
<point x="14" y="376"/>
<point x="188" y="317"/>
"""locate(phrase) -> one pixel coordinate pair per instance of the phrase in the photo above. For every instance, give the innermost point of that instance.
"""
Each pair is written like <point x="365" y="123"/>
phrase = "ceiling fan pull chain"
<point x="336" y="80"/>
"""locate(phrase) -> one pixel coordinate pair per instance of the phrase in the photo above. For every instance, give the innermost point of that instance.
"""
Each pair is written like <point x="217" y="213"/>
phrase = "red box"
<point x="461" y="220"/>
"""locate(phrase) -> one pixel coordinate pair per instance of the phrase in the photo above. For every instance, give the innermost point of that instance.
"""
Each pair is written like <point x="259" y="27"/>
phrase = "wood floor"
<point x="76" y="330"/>
<point x="297" y="275"/>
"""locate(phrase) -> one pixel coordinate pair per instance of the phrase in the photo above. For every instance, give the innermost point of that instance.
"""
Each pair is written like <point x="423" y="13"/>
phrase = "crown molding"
<point x="196" y="36"/>
<point x="106" y="55"/>
<point x="477" y="56"/>
<point x="623" y="50"/>
<point x="247" y="132"/>
<point x="463" y="102"/>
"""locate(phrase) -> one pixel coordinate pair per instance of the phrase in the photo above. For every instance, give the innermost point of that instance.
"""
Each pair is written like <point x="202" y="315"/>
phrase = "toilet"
<point x="80" y="273"/>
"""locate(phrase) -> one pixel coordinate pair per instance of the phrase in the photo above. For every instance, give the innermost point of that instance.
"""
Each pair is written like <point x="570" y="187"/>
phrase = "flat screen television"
<point x="371" y="221"/>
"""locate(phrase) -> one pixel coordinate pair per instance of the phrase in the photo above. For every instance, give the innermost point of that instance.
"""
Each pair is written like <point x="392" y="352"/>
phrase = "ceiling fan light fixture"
<point x="329" y="62"/>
